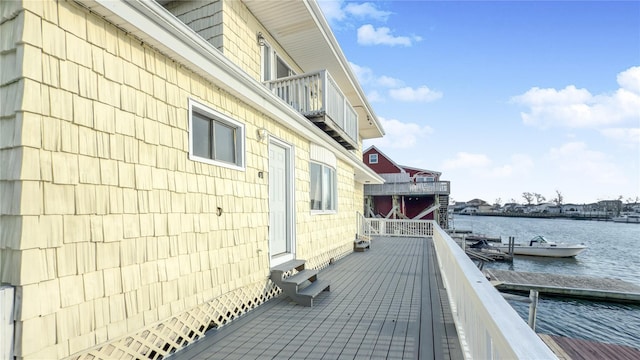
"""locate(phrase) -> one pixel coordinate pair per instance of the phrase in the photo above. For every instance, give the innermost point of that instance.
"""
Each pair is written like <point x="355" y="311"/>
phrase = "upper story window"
<point x="424" y="178"/>
<point x="215" y="138"/>
<point x="373" y="158"/>
<point x="273" y="66"/>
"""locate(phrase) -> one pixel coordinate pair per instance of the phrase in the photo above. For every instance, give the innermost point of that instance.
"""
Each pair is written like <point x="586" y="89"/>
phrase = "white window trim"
<point x="217" y="116"/>
<point x="266" y="48"/>
<point x="371" y="156"/>
<point x="273" y="62"/>
<point x="324" y="157"/>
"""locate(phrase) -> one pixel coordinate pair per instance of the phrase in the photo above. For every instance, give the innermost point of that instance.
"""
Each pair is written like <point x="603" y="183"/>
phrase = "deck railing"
<point x="488" y="327"/>
<point x="317" y="94"/>
<point x="408" y="188"/>
<point x="399" y="227"/>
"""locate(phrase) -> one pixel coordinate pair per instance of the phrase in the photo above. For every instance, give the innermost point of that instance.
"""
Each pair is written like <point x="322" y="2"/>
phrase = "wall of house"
<point x="384" y="165"/>
<point x="414" y="205"/>
<point x="108" y="229"/>
<point x="204" y="17"/>
<point x="413" y="172"/>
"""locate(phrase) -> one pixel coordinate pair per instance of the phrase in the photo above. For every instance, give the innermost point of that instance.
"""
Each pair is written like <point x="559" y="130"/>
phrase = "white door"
<point x="281" y="245"/>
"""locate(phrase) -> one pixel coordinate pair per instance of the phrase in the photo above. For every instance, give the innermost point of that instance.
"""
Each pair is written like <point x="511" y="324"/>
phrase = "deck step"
<point x="306" y="295"/>
<point x="294" y="285"/>
<point x="302" y="276"/>
<point x="361" y="246"/>
<point x="278" y="272"/>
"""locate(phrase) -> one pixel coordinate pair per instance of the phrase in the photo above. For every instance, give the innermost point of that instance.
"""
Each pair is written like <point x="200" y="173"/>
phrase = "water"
<point x="614" y="252"/>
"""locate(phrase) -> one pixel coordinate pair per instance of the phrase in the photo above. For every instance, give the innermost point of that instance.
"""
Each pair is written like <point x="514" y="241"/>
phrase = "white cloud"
<point x="578" y="108"/>
<point x="388" y="81"/>
<point x="366" y="10"/>
<point x="375" y="97"/>
<point x="421" y="94"/>
<point x="366" y="76"/>
<point x="630" y="79"/>
<point x="624" y="136"/>
<point x="465" y="160"/>
<point x="336" y="11"/>
<point x="579" y="163"/>
<point x="481" y="166"/>
<point x="369" y="35"/>
<point x="400" y="135"/>
<point x="332" y="10"/>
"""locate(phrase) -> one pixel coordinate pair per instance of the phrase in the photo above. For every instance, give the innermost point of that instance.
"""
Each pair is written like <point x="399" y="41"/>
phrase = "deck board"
<point x="386" y="302"/>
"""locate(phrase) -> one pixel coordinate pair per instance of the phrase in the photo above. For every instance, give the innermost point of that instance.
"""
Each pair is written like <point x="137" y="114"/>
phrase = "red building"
<point x="408" y="192"/>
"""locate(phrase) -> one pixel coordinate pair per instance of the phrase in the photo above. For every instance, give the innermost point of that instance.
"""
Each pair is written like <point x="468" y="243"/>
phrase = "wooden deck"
<point x="568" y="349"/>
<point x="387" y="302"/>
<point x="567" y="285"/>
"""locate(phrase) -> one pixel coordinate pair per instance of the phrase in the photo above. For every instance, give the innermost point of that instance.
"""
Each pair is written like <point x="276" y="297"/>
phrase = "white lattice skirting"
<point x="163" y="339"/>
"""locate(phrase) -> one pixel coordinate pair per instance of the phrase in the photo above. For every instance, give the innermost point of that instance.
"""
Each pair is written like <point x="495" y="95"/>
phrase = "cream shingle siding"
<point x="107" y="227"/>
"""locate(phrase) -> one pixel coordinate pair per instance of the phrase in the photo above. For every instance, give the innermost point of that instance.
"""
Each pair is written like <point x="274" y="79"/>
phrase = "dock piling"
<point x="533" y="308"/>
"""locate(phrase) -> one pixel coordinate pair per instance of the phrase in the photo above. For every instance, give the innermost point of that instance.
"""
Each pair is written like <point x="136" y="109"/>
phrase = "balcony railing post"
<point x="325" y="95"/>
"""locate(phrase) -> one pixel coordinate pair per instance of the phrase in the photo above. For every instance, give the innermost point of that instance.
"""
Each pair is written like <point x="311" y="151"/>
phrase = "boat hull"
<point x="551" y="251"/>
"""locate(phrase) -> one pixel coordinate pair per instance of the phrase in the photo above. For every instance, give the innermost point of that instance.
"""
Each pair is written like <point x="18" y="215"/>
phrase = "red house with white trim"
<point x="408" y="192"/>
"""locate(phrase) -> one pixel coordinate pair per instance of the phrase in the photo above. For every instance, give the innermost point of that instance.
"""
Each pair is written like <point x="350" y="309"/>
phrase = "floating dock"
<point x="601" y="289"/>
<point x="568" y="349"/>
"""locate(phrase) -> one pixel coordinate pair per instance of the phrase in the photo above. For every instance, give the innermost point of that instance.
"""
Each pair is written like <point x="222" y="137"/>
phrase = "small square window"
<point x="373" y="158"/>
<point x="214" y="138"/>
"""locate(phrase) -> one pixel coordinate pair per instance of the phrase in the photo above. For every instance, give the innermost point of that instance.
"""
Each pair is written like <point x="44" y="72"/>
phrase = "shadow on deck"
<point x="388" y="302"/>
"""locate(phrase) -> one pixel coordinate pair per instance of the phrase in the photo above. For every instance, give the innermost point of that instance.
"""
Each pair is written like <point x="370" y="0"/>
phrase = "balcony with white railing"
<point x="318" y="97"/>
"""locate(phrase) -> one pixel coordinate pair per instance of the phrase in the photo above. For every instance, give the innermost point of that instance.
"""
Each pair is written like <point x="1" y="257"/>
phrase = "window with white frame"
<point x="323" y="180"/>
<point x="323" y="187"/>
<point x="373" y="158"/>
<point x="273" y="66"/>
<point x="215" y="138"/>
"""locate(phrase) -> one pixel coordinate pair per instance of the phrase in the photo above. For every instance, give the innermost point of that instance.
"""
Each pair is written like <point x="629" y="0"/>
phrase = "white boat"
<point x="628" y="218"/>
<point x="539" y="246"/>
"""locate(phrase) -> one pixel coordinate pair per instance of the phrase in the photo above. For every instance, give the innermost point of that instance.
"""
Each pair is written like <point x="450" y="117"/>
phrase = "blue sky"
<point x="503" y="97"/>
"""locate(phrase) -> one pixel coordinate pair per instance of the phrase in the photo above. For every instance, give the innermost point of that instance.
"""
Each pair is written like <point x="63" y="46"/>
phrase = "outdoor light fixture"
<point x="260" y="39"/>
<point x="261" y="134"/>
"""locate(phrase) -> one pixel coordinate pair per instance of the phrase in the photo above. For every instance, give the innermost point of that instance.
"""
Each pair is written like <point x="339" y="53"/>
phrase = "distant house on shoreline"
<point x="408" y="192"/>
<point x="603" y="208"/>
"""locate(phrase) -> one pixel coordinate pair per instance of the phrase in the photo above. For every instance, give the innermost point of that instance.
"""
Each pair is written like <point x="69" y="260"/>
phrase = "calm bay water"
<point x="614" y="252"/>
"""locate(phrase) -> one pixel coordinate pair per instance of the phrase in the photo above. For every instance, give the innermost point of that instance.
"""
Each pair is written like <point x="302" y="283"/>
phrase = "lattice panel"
<point x="163" y="339"/>
<point x="324" y="260"/>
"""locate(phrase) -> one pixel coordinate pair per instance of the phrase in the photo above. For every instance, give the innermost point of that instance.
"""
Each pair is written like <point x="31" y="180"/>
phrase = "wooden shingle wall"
<point x="109" y="232"/>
